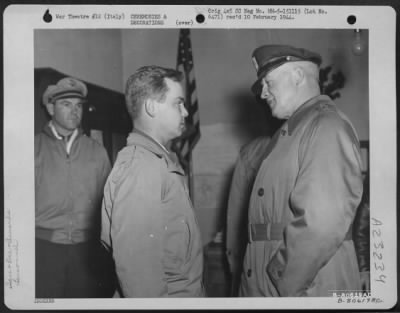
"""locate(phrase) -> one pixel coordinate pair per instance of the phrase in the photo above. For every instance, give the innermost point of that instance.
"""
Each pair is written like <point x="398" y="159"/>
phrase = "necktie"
<point x="65" y="140"/>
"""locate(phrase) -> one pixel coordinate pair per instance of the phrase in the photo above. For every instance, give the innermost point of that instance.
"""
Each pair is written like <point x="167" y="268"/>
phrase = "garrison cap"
<point x="269" y="57"/>
<point x="67" y="87"/>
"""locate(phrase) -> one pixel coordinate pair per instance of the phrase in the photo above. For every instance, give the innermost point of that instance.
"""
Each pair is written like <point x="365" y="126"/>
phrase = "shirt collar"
<point x="54" y="131"/>
<point x="57" y="135"/>
<point x="71" y="137"/>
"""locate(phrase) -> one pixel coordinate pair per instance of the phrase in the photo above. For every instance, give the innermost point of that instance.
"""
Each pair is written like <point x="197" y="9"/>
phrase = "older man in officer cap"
<point x="70" y="172"/>
<point x="307" y="189"/>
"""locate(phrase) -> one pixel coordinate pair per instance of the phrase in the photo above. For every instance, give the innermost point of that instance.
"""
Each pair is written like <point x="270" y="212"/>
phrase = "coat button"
<point x="261" y="192"/>
<point x="283" y="132"/>
<point x="249" y="272"/>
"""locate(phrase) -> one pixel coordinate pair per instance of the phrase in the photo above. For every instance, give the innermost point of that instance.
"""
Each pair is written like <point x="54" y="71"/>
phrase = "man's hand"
<point x="365" y="281"/>
<point x="233" y="261"/>
<point x="235" y="271"/>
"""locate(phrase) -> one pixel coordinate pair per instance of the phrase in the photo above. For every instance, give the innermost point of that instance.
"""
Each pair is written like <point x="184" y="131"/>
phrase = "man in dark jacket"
<point x="250" y="157"/>
<point x="361" y="237"/>
<point x="70" y="172"/>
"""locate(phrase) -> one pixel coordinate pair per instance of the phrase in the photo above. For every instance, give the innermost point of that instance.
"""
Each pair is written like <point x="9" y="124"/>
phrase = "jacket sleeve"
<point x="106" y="168"/>
<point x="103" y="172"/>
<point x="323" y="201"/>
<point x="137" y="228"/>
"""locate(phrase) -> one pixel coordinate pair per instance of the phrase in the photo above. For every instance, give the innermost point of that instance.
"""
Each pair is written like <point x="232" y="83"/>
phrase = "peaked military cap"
<point x="268" y="57"/>
<point x="67" y="87"/>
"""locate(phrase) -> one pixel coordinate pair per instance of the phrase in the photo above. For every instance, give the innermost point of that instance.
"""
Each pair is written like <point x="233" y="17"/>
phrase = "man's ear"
<point x="298" y="75"/>
<point x="50" y="108"/>
<point x="150" y="107"/>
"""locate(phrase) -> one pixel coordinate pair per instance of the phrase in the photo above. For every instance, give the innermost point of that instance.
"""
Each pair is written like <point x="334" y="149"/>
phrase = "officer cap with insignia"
<point x="67" y="87"/>
<point x="268" y="57"/>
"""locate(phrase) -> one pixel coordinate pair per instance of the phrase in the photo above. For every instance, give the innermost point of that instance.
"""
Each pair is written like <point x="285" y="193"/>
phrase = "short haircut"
<point x="310" y="69"/>
<point x="148" y="82"/>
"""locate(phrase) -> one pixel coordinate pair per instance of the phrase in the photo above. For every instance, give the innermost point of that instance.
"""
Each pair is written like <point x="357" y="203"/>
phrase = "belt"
<point x="56" y="235"/>
<point x="274" y="231"/>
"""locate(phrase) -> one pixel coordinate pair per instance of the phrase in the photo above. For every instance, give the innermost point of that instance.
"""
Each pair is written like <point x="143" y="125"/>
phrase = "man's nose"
<point x="76" y="109"/>
<point x="264" y="92"/>
<point x="184" y="111"/>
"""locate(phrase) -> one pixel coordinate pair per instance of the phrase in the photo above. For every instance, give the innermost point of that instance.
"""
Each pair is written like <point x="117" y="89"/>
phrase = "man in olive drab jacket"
<point x="307" y="189"/>
<point x="148" y="221"/>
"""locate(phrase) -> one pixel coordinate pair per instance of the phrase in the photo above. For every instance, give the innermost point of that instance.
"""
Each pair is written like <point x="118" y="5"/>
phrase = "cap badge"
<point x="72" y="82"/>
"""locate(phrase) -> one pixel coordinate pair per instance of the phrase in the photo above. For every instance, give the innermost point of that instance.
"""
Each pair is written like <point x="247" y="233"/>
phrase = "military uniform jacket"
<point x="148" y="223"/>
<point x="68" y="188"/>
<point x="311" y="183"/>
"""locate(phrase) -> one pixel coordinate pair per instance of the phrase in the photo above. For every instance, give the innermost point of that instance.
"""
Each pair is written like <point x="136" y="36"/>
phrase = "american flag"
<point x="184" y="145"/>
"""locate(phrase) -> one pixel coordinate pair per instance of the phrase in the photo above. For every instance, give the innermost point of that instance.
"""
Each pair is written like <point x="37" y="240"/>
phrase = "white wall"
<point x="148" y="47"/>
<point x="93" y="55"/>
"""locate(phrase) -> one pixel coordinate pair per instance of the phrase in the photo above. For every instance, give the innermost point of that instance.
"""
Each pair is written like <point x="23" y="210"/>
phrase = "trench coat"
<point x="149" y="225"/>
<point x="310" y="183"/>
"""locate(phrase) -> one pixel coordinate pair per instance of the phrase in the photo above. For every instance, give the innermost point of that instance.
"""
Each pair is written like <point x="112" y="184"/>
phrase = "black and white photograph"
<point x="183" y="158"/>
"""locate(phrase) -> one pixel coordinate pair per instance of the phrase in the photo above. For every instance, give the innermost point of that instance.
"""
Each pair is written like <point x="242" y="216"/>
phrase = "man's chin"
<point x="72" y="128"/>
<point x="177" y="134"/>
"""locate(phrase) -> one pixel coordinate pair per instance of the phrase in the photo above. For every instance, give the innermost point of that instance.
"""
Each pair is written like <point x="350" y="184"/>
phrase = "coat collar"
<point x="139" y="138"/>
<point x="303" y="110"/>
<point x="47" y="130"/>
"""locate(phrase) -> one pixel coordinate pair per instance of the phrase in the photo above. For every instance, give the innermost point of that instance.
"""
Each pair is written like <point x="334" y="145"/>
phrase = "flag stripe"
<point x="195" y="117"/>
<point x="185" y="148"/>
<point x="184" y="144"/>
<point x="191" y="77"/>
<point x="193" y="99"/>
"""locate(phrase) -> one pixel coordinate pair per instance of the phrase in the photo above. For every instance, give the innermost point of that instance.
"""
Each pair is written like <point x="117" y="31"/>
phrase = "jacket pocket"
<point x="177" y="244"/>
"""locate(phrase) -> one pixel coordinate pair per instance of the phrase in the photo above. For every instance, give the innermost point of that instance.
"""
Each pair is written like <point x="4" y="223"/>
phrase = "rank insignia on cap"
<point x="67" y="87"/>
<point x="71" y="82"/>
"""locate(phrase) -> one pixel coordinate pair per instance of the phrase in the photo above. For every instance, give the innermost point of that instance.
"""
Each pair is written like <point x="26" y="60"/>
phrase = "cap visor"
<point x="68" y="95"/>
<point x="256" y="88"/>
